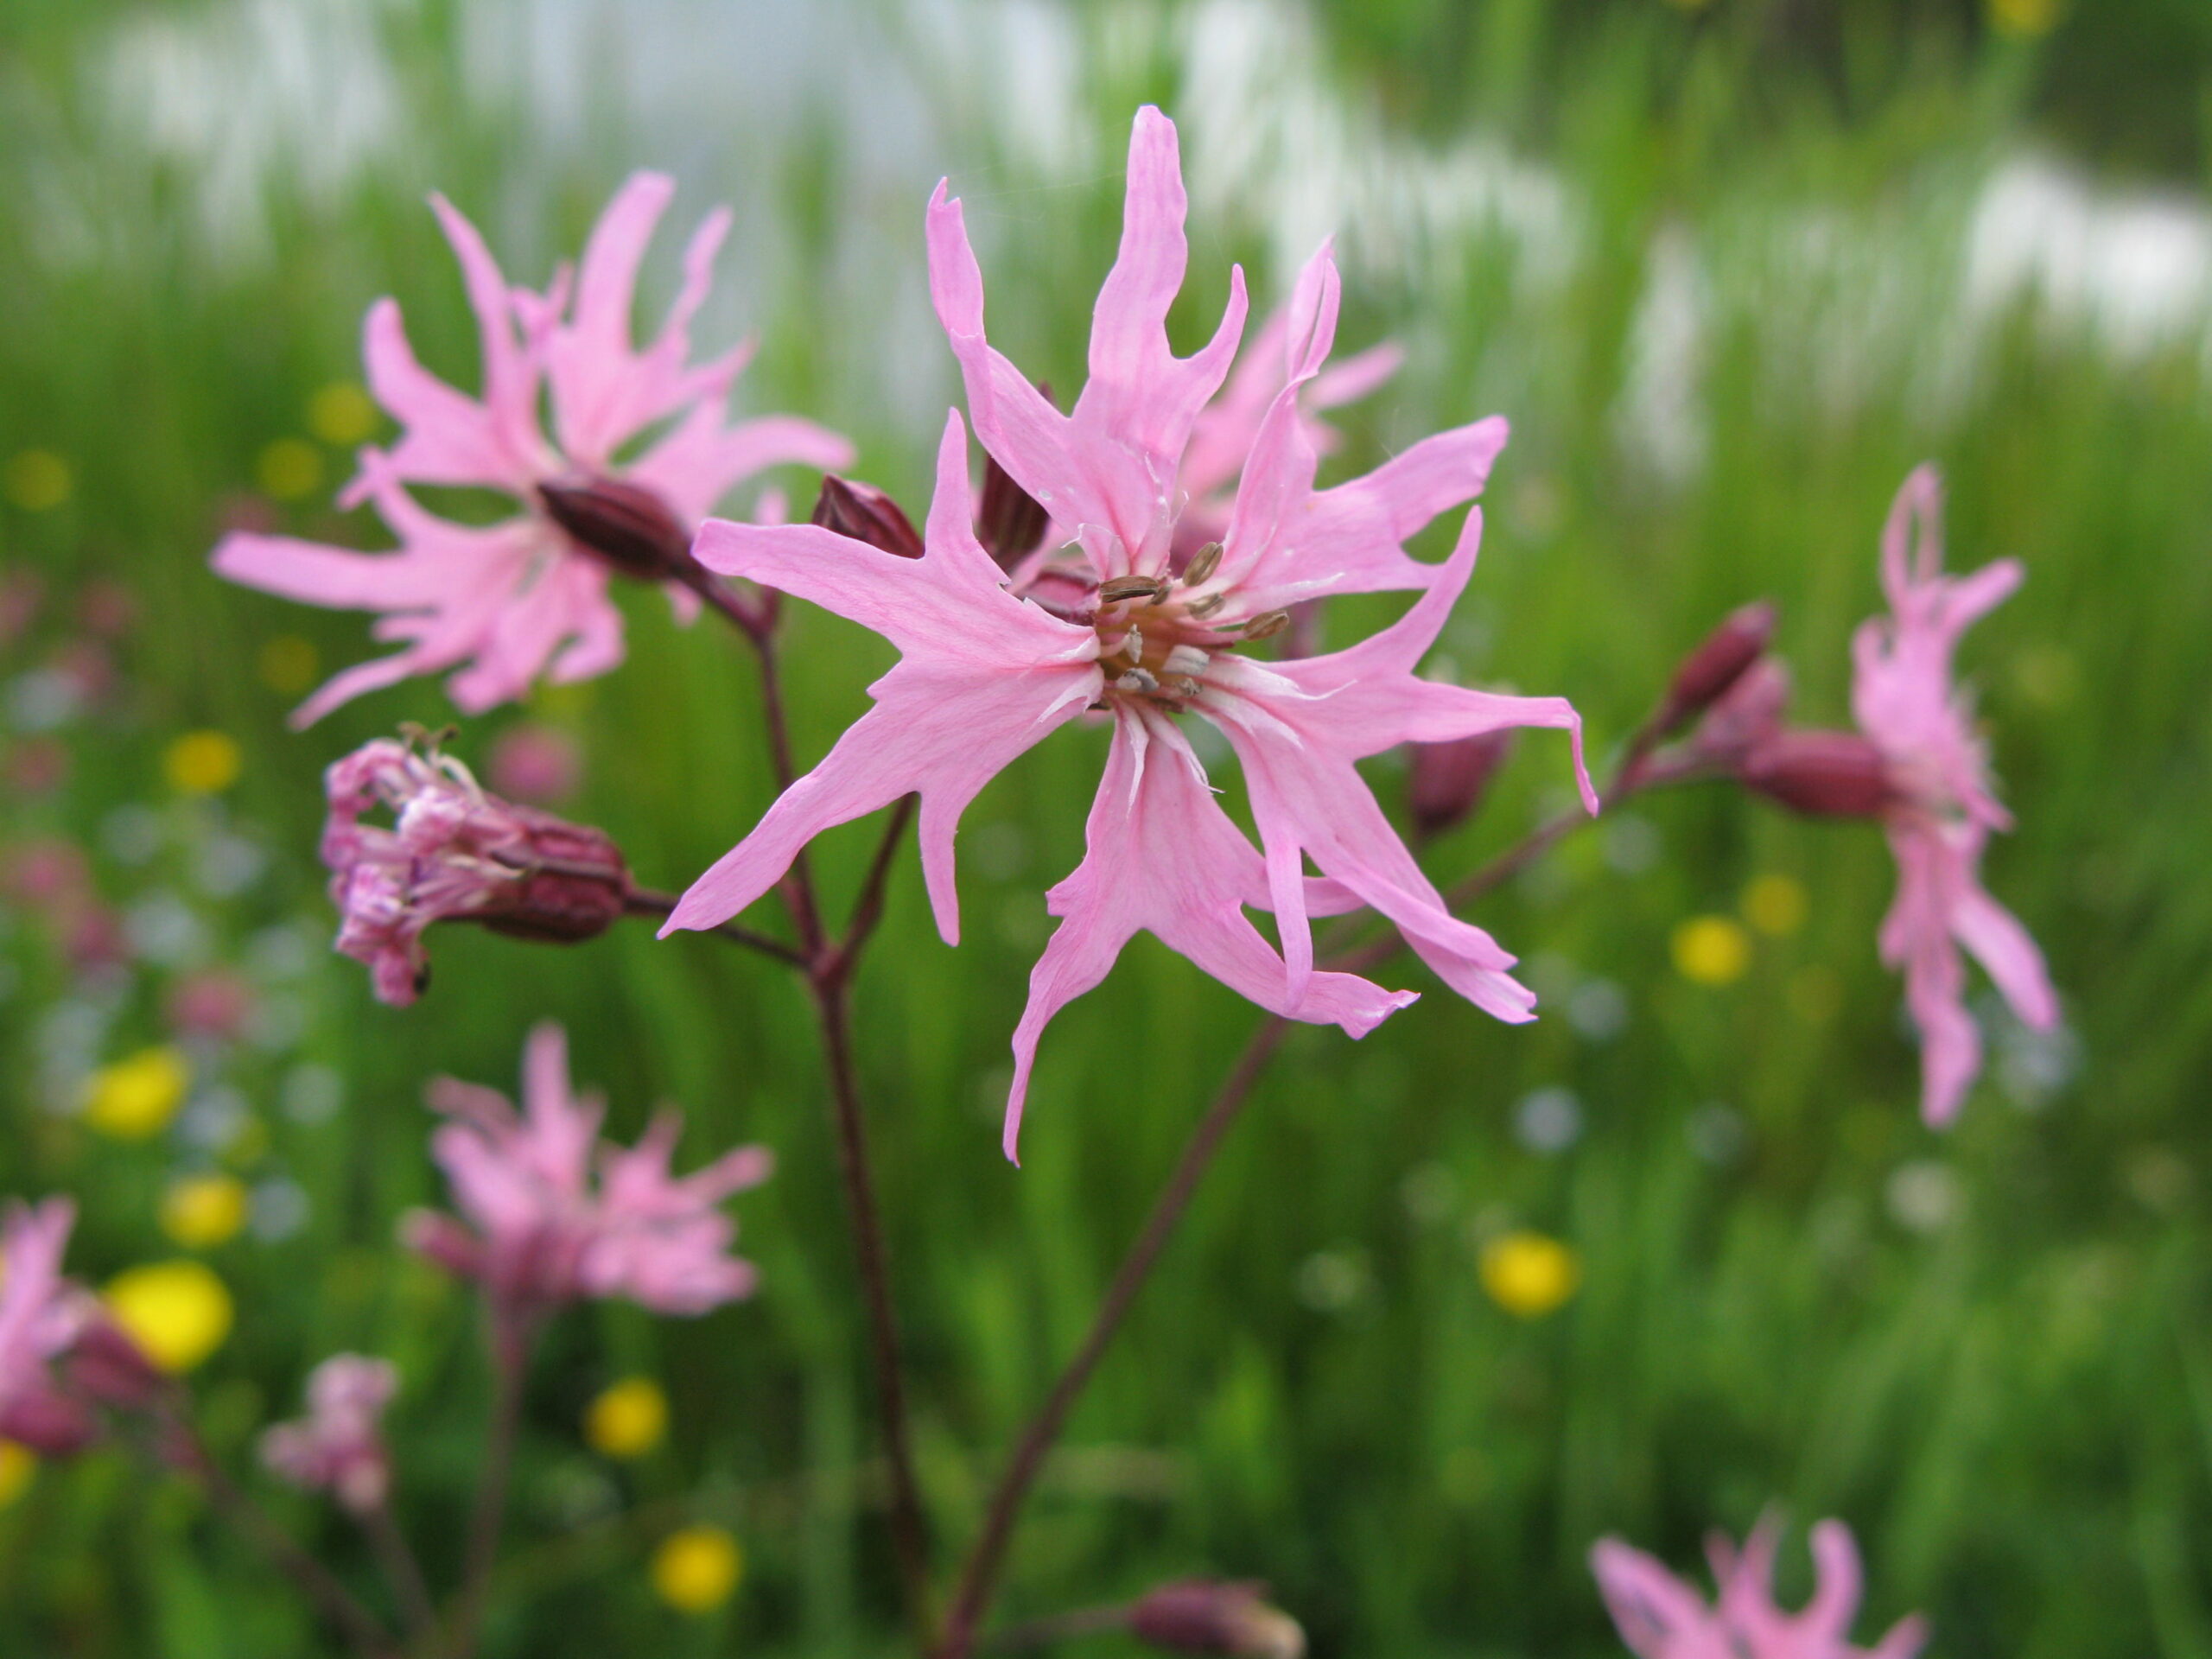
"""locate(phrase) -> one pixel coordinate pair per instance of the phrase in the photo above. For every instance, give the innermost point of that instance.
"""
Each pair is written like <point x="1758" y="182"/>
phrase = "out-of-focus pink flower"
<point x="47" y="877"/>
<point x="37" y="765"/>
<point x="536" y="764"/>
<point x="509" y="602"/>
<point x="554" y="1214"/>
<point x="108" y="608"/>
<point x="338" y="1448"/>
<point x="1904" y="699"/>
<point x="211" y="1002"/>
<point x="1114" y="624"/>
<point x="60" y="1356"/>
<point x="20" y="593"/>
<point x="1660" y="1616"/>
<point x="453" y="853"/>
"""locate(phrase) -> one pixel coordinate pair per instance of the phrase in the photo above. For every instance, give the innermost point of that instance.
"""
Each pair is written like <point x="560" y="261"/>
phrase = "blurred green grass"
<point x="1987" y="1351"/>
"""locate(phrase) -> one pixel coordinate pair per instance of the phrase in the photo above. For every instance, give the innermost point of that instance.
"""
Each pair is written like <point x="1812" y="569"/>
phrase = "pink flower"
<point x="41" y="1315"/>
<point x="524" y="597"/>
<point x="536" y="764"/>
<point x="1905" y="700"/>
<point x="338" y="1448"/>
<point x="1112" y="624"/>
<point x="453" y="853"/>
<point x="1661" y="1618"/>
<point x="542" y="1232"/>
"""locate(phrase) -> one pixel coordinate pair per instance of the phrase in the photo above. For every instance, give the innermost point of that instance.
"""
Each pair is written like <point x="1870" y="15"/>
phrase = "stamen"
<point x="1120" y="587"/>
<point x="1137" y="679"/>
<point x="1184" y="686"/>
<point x="1199" y="609"/>
<point x="1187" y="659"/>
<point x="1203" y="564"/>
<point x="1132" y="642"/>
<point x="1266" y="627"/>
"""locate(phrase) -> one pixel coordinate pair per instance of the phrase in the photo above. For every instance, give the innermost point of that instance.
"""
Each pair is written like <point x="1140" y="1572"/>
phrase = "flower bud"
<point x="1820" y="773"/>
<point x="571" y="885"/>
<point x="625" y="524"/>
<point x="866" y="514"/>
<point x="1719" y="661"/>
<point x="1009" y="522"/>
<point x="1746" y="715"/>
<point x="1215" y="1615"/>
<point x="49" y="1424"/>
<point x="105" y="1365"/>
<point x="1450" y="779"/>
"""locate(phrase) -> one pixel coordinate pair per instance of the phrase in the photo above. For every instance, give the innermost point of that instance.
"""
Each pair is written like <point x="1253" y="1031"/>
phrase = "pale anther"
<point x="1203" y="564"/>
<point x="1184" y="686"/>
<point x="1137" y="679"/>
<point x="1132" y="643"/>
<point x="1187" y="659"/>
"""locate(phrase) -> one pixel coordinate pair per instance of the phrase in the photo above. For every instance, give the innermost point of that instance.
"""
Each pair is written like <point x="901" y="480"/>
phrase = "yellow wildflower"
<point x="341" y="413"/>
<point x="1776" y="904"/>
<point x="696" y="1570"/>
<point x="178" y="1312"/>
<point x="38" y="480"/>
<point x="200" y="1211"/>
<point x="1712" y="950"/>
<point x="628" y="1419"/>
<point x="202" y="763"/>
<point x="1528" y="1273"/>
<point x="289" y="468"/>
<point x="16" y="1468"/>
<point x="137" y="1096"/>
<point x="2023" y="20"/>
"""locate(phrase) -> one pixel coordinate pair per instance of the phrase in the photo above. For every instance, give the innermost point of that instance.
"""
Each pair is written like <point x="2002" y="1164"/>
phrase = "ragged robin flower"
<point x="528" y="596"/>
<point x="1114" y="624"/>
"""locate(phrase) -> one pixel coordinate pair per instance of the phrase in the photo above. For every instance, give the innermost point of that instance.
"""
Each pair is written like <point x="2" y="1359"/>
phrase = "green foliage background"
<point x="2009" y="1395"/>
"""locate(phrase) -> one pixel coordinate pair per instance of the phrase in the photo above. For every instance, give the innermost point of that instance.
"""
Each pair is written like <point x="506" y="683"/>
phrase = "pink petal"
<point x="1162" y="857"/>
<point x="1658" y="1616"/>
<point x="699" y="462"/>
<point x="596" y="394"/>
<point x="2003" y="947"/>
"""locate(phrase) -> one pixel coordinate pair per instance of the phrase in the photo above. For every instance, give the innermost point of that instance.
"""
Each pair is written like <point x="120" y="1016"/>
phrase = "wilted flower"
<point x="1661" y="1618"/>
<point x="338" y="1448"/>
<point x="554" y="1214"/>
<point x="453" y="853"/>
<point x="529" y="595"/>
<point x="1905" y="700"/>
<point x="1115" y="623"/>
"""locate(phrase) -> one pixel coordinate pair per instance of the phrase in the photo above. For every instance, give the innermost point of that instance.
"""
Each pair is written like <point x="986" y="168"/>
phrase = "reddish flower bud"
<point x="866" y="514"/>
<point x="625" y="524"/>
<point x="1747" y="715"/>
<point x="1719" y="661"/>
<point x="1821" y="773"/>
<point x="105" y="1365"/>
<point x="51" y="1425"/>
<point x="1215" y="1615"/>
<point x="1450" y="779"/>
<point x="1009" y="522"/>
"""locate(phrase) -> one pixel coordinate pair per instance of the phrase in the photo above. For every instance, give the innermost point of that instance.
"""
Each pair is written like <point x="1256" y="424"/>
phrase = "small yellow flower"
<point x="288" y="665"/>
<point x="696" y="1570"/>
<point x="178" y="1312"/>
<point x="38" y="480"/>
<point x="1712" y="950"/>
<point x="342" y="414"/>
<point x="200" y="1211"/>
<point x="1776" y="904"/>
<point x="2023" y="20"/>
<point x="628" y="1420"/>
<point x="16" y="1468"/>
<point x="137" y="1096"/>
<point x="289" y="468"/>
<point x="202" y="763"/>
<point x="1529" y="1274"/>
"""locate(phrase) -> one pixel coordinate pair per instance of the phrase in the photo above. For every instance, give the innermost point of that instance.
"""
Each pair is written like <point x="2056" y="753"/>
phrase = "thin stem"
<point x="402" y="1568"/>
<point x="827" y="968"/>
<point x="979" y="1576"/>
<point x="649" y="901"/>
<point x="510" y="1344"/>
<point x="363" y="1632"/>
<point x="909" y="1531"/>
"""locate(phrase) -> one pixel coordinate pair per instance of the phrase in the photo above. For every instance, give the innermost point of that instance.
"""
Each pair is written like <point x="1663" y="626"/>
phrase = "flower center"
<point x="1158" y="635"/>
